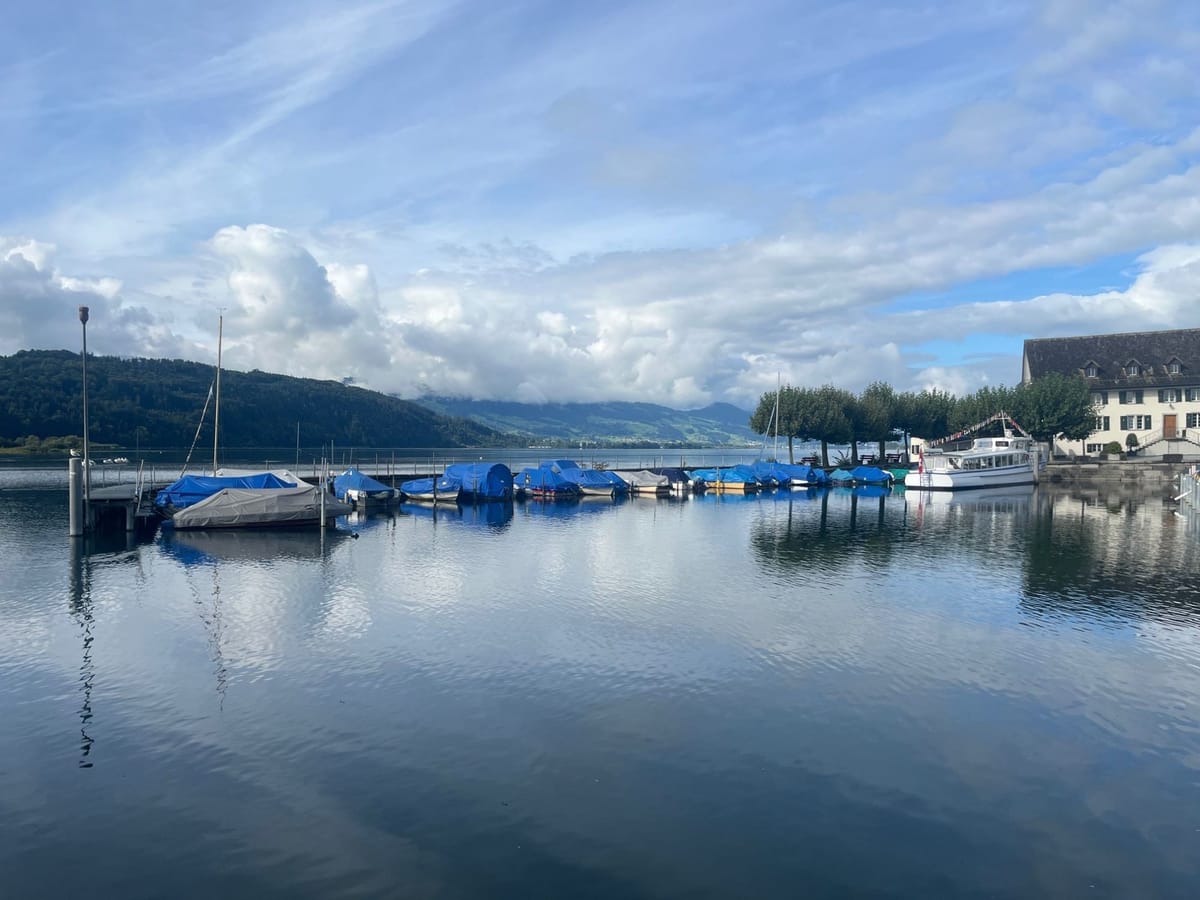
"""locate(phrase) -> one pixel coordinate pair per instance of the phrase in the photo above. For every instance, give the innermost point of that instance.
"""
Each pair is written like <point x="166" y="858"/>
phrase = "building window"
<point x="1131" y="397"/>
<point x="1133" y="369"/>
<point x="1174" y="368"/>
<point x="1101" y="423"/>
<point x="1193" y="420"/>
<point x="1090" y="370"/>
<point x="1193" y="394"/>
<point x="1094" y="448"/>
<point x="1170" y="395"/>
<point x="1136" y="423"/>
<point x="1099" y="398"/>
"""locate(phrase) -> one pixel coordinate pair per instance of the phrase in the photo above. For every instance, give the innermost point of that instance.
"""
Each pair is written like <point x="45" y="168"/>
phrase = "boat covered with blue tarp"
<point x="482" y="481"/>
<point x="191" y="489"/>
<point x="437" y="489"/>
<point x="734" y="479"/>
<point x="871" y="475"/>
<point x="590" y="481"/>
<point x="357" y="487"/>
<point x="544" y="481"/>
<point x="788" y="474"/>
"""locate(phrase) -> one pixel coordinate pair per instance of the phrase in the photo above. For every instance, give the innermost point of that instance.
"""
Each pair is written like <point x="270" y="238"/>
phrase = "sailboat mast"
<point x="778" y="388"/>
<point x="217" y="407"/>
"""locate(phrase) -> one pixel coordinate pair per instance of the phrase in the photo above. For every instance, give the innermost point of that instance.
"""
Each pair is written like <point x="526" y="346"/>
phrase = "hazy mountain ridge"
<point x="611" y="422"/>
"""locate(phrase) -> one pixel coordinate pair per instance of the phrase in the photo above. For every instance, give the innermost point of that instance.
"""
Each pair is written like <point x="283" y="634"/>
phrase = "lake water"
<point x="774" y="696"/>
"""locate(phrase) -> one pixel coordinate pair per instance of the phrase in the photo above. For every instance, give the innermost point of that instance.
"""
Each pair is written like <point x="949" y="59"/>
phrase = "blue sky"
<point x="661" y="201"/>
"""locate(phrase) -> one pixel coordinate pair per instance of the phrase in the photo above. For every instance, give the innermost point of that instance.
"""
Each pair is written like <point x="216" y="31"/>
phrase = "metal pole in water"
<point x="87" y="459"/>
<point x="75" y="496"/>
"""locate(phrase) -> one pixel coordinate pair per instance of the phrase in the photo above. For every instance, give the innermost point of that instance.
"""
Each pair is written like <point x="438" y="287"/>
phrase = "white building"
<point x="1144" y="383"/>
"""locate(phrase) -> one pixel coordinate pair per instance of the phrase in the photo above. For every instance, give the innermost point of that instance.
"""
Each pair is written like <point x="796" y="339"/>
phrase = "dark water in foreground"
<point x="768" y="697"/>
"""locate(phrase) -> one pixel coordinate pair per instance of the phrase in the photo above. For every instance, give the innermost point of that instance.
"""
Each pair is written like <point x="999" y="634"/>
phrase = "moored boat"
<point x="260" y="507"/>
<point x="543" y="481"/>
<point x="360" y="489"/>
<point x="989" y="462"/>
<point x="730" y="480"/>
<point x="482" y="481"/>
<point x="442" y="489"/>
<point x="648" y="484"/>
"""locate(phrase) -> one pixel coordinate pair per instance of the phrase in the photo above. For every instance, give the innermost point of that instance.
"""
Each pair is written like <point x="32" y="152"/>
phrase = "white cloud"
<point x="604" y="207"/>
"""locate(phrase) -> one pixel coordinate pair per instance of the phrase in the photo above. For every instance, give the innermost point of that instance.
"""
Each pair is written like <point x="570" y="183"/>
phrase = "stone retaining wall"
<point x="1143" y="474"/>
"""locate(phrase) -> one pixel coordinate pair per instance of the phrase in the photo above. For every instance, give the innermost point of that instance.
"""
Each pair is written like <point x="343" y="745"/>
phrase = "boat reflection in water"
<point x="193" y="547"/>
<point x="570" y="507"/>
<point x="997" y="498"/>
<point x="492" y="514"/>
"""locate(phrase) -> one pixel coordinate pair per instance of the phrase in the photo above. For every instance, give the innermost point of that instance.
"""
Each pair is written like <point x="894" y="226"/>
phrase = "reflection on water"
<point x="265" y="545"/>
<point x="839" y="692"/>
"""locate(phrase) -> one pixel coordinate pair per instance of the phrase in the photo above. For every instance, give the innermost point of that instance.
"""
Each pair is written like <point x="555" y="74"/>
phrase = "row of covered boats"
<point x="258" y="499"/>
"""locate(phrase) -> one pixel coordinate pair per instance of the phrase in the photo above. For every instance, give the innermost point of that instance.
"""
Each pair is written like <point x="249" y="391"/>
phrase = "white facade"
<point x="1145" y="388"/>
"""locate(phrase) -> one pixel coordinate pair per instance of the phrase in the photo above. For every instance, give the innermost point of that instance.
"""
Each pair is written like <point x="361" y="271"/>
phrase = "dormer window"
<point x="1132" y="368"/>
<point x="1174" y="367"/>
<point x="1091" y="370"/>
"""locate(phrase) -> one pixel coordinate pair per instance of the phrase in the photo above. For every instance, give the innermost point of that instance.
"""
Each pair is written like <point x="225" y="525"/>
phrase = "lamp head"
<point x="83" y="314"/>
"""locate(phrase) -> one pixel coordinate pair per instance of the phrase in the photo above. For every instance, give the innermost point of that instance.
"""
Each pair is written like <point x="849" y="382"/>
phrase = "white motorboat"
<point x="990" y="462"/>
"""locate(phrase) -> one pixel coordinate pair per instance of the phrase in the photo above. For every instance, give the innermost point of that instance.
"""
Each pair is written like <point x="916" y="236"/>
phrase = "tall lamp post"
<point x="87" y="460"/>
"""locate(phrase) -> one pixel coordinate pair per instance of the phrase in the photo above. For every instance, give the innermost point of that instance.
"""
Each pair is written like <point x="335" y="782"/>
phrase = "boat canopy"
<point x="191" y="489"/>
<point x="560" y="464"/>
<point x="482" y="480"/>
<point x="362" y="485"/>
<point x="644" y="478"/>
<point x="870" y="475"/>
<point x="544" y="480"/>
<point x="589" y="479"/>
<point x="256" y="507"/>
<point x="426" y="487"/>
<point x="675" y="474"/>
<point x="739" y="474"/>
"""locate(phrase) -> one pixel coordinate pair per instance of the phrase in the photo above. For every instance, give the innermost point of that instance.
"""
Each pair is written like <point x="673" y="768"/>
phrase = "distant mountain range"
<point x="158" y="403"/>
<point x="612" y="424"/>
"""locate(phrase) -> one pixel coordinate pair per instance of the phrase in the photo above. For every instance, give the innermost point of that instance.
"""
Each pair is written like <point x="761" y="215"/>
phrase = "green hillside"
<point x="615" y="424"/>
<point x="158" y="403"/>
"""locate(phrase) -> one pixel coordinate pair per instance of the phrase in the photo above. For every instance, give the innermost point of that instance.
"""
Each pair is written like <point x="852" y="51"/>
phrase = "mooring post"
<point x="75" y="496"/>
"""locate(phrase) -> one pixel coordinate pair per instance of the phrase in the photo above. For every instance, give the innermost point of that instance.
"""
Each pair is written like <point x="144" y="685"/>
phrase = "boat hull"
<point x="1014" y="476"/>
<point x="733" y="487"/>
<point x="439" y="497"/>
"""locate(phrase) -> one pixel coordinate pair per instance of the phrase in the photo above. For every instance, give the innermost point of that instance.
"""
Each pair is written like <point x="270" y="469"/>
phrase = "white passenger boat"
<point x="990" y="462"/>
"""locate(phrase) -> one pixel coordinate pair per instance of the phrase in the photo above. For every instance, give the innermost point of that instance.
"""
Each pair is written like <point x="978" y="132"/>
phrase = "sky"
<point x="671" y="202"/>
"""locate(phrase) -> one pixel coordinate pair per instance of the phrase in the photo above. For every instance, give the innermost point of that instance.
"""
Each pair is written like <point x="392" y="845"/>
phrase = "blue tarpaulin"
<point x="482" y="480"/>
<point x="193" y="488"/>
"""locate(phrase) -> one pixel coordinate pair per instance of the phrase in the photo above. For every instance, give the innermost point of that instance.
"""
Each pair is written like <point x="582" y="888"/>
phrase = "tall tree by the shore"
<point x="1055" y="405"/>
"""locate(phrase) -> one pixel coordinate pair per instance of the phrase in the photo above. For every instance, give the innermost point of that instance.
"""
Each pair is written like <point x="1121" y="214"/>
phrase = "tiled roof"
<point x="1111" y="353"/>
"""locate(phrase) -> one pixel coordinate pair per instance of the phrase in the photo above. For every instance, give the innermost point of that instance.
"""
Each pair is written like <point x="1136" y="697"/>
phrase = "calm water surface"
<point x="777" y="696"/>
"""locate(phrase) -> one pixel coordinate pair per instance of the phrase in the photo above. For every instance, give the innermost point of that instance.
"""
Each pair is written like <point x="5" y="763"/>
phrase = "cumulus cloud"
<point x="676" y="215"/>
<point x="290" y="314"/>
<point x="39" y="309"/>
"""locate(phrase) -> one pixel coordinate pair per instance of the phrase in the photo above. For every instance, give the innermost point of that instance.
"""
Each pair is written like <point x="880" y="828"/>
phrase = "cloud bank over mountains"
<point x="667" y="202"/>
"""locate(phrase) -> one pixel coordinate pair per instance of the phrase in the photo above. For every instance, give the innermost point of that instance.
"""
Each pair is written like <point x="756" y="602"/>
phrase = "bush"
<point x="1112" y="447"/>
<point x="1131" y="440"/>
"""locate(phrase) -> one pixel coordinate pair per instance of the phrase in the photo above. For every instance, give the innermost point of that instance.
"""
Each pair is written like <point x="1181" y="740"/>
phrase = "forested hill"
<point x="614" y="423"/>
<point x="158" y="403"/>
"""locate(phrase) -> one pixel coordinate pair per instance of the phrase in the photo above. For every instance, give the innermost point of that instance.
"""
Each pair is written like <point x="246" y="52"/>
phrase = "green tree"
<point x="1055" y="405"/>
<point x="831" y="417"/>
<point x="877" y="410"/>
<point x="985" y="402"/>
<point x="926" y="414"/>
